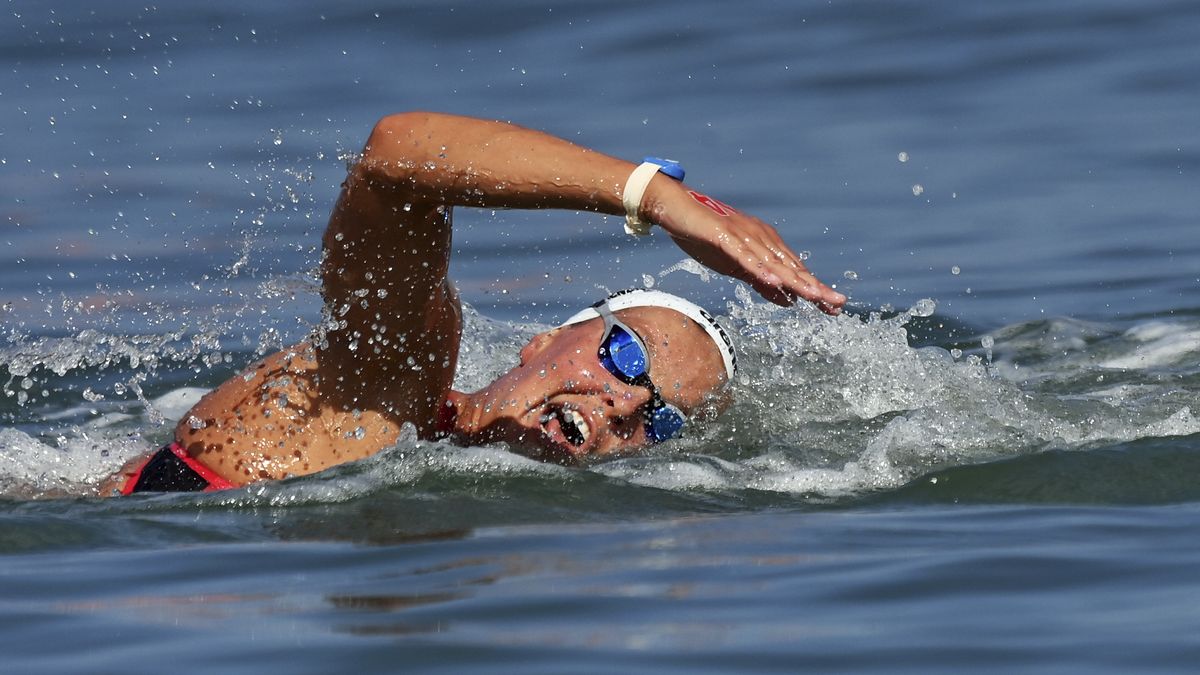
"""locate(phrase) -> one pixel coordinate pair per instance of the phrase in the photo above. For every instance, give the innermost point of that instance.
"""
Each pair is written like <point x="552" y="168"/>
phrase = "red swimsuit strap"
<point x="215" y="482"/>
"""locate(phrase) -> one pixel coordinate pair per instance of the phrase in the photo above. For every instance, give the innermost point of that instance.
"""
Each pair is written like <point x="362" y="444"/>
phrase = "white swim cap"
<point x="641" y="297"/>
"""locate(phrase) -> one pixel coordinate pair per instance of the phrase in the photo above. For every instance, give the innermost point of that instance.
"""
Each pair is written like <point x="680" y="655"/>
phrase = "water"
<point x="988" y="463"/>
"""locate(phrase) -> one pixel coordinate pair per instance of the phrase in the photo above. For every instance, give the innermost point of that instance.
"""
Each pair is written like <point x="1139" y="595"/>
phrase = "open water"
<point x="989" y="463"/>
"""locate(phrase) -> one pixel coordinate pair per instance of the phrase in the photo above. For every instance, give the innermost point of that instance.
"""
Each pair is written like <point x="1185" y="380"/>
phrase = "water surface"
<point x="988" y="463"/>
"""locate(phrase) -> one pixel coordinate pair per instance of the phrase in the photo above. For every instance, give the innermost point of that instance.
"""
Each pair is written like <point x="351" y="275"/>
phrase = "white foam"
<point x="29" y="466"/>
<point x="1157" y="345"/>
<point x="685" y="473"/>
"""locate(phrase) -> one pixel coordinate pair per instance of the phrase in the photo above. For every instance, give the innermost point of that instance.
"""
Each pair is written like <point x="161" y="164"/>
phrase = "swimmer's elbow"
<point x="403" y="150"/>
<point x="395" y="137"/>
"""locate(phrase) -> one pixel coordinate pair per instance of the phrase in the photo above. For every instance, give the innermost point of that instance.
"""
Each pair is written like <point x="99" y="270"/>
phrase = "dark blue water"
<point x="988" y="464"/>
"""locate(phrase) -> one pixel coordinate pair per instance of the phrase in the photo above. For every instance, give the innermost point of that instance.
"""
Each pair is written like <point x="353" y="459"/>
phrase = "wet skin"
<point x="386" y="352"/>
<point x="560" y="371"/>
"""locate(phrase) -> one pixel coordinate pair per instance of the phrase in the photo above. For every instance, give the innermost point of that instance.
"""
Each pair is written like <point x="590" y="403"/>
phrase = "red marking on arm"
<point x="715" y="205"/>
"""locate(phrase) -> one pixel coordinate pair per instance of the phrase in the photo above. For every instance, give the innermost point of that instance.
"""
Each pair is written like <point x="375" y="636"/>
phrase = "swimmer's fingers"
<point x="798" y="280"/>
<point x="779" y="275"/>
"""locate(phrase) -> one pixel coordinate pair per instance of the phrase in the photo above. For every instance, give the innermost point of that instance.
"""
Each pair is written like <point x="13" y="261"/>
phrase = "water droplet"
<point x="851" y="275"/>
<point x="987" y="342"/>
<point x="903" y="156"/>
<point x="647" y="281"/>
<point x="195" y="422"/>
<point x="955" y="270"/>
<point x="918" y="189"/>
<point x="924" y="307"/>
<point x="956" y="353"/>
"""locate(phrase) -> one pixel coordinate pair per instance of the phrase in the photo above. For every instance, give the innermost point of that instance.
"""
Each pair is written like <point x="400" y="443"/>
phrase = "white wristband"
<point x="635" y="189"/>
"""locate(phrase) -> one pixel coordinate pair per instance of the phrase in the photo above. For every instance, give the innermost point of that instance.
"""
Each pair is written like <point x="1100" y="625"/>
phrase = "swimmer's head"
<point x="627" y="372"/>
<point x="641" y="297"/>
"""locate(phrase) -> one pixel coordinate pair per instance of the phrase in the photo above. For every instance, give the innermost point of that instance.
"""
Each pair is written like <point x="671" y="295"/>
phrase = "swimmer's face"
<point x="562" y="405"/>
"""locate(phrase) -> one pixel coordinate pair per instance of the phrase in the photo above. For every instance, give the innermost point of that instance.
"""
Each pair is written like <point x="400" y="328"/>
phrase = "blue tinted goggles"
<point x="623" y="354"/>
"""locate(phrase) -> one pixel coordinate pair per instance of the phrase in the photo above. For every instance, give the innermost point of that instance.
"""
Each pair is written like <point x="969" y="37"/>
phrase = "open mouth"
<point x="573" y="424"/>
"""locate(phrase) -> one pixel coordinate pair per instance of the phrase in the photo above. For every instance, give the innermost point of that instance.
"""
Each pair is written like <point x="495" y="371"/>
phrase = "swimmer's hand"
<point x="736" y="245"/>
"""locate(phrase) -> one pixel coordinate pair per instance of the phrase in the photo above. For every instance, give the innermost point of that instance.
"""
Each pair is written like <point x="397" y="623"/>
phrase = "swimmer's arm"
<point x="453" y="160"/>
<point x="447" y="159"/>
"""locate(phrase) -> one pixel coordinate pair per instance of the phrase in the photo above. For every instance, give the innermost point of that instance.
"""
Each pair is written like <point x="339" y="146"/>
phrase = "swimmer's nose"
<point x="628" y="400"/>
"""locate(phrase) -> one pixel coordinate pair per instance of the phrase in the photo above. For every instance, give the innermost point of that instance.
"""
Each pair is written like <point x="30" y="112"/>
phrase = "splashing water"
<point x="835" y="406"/>
<point x="824" y="406"/>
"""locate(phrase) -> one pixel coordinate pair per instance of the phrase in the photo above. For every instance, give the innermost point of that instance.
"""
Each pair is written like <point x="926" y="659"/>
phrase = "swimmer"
<point x="623" y="374"/>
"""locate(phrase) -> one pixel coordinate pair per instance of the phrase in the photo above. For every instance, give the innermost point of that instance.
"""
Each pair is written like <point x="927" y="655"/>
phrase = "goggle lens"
<point x="664" y="423"/>
<point x="622" y="354"/>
